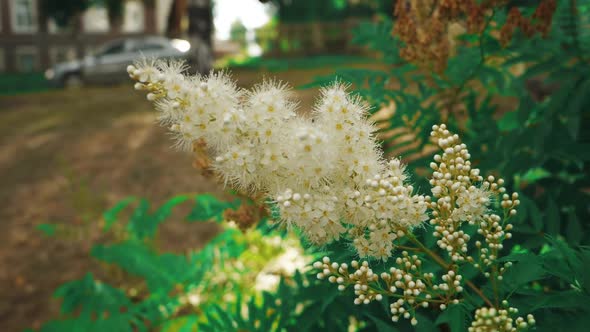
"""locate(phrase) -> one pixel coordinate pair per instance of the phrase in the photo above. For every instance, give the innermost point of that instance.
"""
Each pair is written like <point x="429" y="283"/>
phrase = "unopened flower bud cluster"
<point x="407" y="284"/>
<point x="324" y="172"/>
<point x="499" y="320"/>
<point x="461" y="194"/>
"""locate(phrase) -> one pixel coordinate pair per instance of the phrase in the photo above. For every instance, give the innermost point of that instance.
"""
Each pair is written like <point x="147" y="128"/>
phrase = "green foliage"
<point x="92" y="305"/>
<point x="226" y="268"/>
<point x="309" y="62"/>
<point x="537" y="144"/>
<point x="95" y="306"/>
<point x="525" y="126"/>
<point x="19" y="83"/>
<point x="161" y="272"/>
<point x="237" y="33"/>
<point x="207" y="208"/>
<point x="561" y="267"/>
<point x="300" y="303"/>
<point x="143" y="224"/>
<point x="309" y="10"/>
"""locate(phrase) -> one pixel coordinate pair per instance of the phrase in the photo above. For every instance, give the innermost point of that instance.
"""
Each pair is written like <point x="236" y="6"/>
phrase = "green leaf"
<point x="161" y="272"/>
<point x="528" y="268"/>
<point x="563" y="300"/>
<point x="455" y="316"/>
<point x="327" y="300"/>
<point x="139" y="217"/>
<point x="552" y="219"/>
<point x="186" y="323"/>
<point x="509" y="121"/>
<point x="110" y="216"/>
<point x="208" y="207"/>
<point x="574" y="230"/>
<point x="92" y="296"/>
<point x="532" y="211"/>
<point x="382" y="325"/>
<point x="535" y="216"/>
<point x="143" y="224"/>
<point x="535" y="174"/>
<point x="47" y="229"/>
<point x="424" y="324"/>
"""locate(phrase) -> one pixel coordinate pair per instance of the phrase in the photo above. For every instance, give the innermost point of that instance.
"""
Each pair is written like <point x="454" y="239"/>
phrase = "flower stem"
<point x="440" y="261"/>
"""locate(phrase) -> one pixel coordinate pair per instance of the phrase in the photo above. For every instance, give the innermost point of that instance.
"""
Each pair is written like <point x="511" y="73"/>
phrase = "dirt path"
<point x="65" y="157"/>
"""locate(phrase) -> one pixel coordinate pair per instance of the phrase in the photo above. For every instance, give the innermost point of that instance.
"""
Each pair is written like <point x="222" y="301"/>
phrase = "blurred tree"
<point x="266" y="35"/>
<point x="326" y="25"/>
<point x="62" y="11"/>
<point x="311" y="10"/>
<point x="238" y="32"/>
<point x="114" y="9"/>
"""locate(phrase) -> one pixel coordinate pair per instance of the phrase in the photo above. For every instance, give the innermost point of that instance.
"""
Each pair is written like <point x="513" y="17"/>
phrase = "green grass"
<point x="284" y="64"/>
<point x="12" y="84"/>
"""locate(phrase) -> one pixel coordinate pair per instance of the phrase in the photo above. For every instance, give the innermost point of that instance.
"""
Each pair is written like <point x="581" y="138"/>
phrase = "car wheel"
<point x="73" y="81"/>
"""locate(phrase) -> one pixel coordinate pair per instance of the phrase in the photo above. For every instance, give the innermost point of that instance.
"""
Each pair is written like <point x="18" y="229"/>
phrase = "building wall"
<point x="30" y="41"/>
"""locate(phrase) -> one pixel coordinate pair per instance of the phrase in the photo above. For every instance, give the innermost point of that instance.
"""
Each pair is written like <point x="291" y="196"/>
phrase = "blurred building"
<point x="31" y="41"/>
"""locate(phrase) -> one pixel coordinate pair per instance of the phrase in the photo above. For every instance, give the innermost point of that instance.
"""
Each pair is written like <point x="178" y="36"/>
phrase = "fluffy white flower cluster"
<point x="325" y="172"/>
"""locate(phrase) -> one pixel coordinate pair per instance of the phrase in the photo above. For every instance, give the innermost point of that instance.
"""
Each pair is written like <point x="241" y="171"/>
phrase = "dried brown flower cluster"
<point x="424" y="25"/>
<point x="539" y="22"/>
<point x="247" y="215"/>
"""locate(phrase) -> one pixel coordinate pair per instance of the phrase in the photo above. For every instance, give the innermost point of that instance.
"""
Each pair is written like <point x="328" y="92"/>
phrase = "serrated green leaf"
<point x="110" y="216"/>
<point x="562" y="300"/>
<point x="208" y="207"/>
<point x="144" y="224"/>
<point x="161" y="272"/>
<point x="139" y="217"/>
<point x="92" y="296"/>
<point x="529" y="268"/>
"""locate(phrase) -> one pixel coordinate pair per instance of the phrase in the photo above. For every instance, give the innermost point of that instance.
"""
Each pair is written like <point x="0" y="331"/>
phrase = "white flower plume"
<point x="325" y="172"/>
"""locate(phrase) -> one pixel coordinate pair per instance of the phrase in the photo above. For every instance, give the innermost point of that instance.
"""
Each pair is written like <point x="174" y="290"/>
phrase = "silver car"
<point x="108" y="65"/>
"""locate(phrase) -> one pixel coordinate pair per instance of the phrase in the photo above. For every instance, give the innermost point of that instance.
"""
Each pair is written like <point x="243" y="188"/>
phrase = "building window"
<point x="134" y="17"/>
<point x="96" y="20"/>
<point x="27" y="59"/>
<point x="24" y="16"/>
